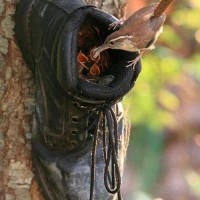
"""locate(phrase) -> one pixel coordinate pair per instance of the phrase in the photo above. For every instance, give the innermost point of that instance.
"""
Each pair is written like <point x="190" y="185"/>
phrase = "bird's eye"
<point x="111" y="43"/>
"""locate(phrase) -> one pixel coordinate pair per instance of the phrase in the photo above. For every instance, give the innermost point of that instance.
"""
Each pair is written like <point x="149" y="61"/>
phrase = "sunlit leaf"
<point x="193" y="179"/>
<point x="168" y="100"/>
<point x="170" y="37"/>
<point x="195" y="3"/>
<point x="187" y="17"/>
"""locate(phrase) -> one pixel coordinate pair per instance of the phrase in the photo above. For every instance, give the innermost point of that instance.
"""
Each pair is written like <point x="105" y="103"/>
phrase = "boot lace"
<point x="112" y="176"/>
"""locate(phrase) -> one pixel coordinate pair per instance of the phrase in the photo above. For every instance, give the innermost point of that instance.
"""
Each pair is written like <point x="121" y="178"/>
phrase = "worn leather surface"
<point x="46" y="32"/>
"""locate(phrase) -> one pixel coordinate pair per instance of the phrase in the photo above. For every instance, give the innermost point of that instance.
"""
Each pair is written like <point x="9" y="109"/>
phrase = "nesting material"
<point x="90" y="68"/>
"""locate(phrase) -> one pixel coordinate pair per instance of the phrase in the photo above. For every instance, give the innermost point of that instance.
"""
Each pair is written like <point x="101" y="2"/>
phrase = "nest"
<point x="90" y="68"/>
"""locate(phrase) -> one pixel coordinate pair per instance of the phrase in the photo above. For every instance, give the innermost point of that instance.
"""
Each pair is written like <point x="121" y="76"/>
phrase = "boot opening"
<point x="106" y="78"/>
<point x="110" y="63"/>
<point x="92" y="34"/>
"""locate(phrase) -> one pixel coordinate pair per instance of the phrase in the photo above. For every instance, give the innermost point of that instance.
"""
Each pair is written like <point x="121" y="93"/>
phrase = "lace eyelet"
<point x="74" y="132"/>
<point x="75" y="119"/>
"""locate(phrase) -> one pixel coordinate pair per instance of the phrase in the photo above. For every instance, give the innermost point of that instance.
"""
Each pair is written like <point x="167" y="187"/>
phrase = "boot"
<point x="80" y="135"/>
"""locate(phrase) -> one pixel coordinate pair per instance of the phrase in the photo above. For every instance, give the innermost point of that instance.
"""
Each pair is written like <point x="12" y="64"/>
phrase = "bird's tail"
<point x="161" y="7"/>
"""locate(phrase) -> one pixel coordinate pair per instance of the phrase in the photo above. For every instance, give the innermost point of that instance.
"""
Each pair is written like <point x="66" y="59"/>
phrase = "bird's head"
<point x="117" y="40"/>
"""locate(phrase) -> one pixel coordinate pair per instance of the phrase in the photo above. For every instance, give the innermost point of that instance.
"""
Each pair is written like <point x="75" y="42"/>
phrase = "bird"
<point x="138" y="33"/>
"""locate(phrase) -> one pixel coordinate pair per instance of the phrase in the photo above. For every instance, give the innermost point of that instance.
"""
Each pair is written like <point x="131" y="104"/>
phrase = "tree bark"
<point x="17" y="107"/>
<point x="114" y="7"/>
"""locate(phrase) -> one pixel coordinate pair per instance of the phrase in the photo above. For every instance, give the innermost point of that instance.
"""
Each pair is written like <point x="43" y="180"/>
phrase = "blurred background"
<point x="163" y="161"/>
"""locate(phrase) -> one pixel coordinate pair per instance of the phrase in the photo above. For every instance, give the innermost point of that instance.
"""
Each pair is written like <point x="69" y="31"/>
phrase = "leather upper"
<point x="47" y="33"/>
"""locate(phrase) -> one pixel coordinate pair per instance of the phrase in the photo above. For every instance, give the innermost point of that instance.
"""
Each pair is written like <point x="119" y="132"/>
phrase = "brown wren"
<point x="138" y="33"/>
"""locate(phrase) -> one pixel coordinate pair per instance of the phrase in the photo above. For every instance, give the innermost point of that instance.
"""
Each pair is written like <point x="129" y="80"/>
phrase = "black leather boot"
<point x="80" y="135"/>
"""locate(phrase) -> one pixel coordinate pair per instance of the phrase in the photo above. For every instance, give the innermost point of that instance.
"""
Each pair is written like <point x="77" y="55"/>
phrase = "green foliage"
<point x="152" y="102"/>
<point x="193" y="180"/>
<point x="170" y="37"/>
<point x="145" y="155"/>
<point x="189" y="18"/>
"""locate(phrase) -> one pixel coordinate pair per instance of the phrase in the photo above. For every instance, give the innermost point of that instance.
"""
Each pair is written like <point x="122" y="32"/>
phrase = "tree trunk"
<point x="17" y="107"/>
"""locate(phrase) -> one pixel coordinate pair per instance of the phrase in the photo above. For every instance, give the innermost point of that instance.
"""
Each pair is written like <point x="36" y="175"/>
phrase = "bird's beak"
<point x="99" y="49"/>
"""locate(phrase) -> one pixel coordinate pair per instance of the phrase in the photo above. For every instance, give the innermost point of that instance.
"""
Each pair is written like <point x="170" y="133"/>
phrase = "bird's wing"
<point x="147" y="33"/>
<point x="155" y="23"/>
<point x="140" y="16"/>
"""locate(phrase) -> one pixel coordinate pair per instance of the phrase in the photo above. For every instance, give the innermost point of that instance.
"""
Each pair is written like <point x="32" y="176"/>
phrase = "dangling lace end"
<point x="112" y="176"/>
<point x="119" y="196"/>
<point x="94" y="157"/>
